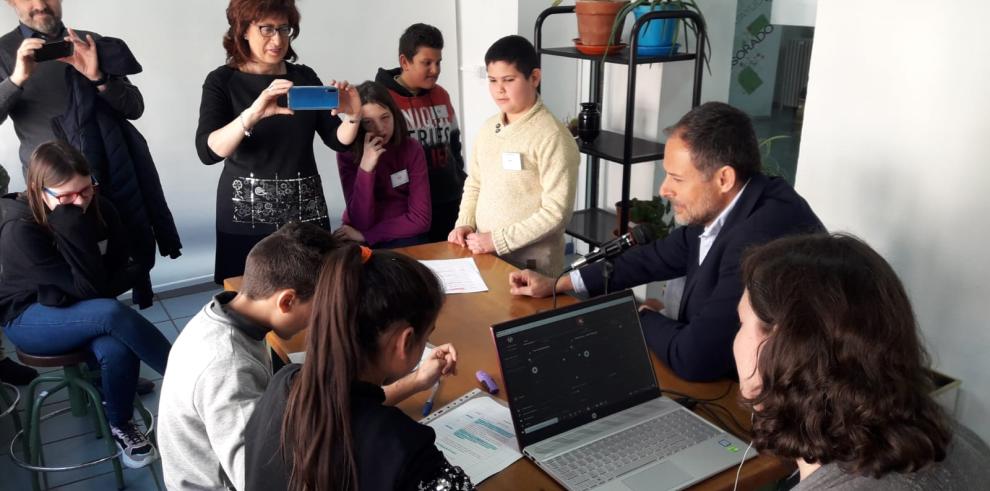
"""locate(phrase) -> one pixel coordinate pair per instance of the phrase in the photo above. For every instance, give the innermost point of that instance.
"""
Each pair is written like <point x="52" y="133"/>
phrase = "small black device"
<point x="54" y="50"/>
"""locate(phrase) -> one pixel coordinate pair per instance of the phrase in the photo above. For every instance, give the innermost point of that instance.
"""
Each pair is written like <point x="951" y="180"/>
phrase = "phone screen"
<point x="54" y="51"/>
<point x="312" y="98"/>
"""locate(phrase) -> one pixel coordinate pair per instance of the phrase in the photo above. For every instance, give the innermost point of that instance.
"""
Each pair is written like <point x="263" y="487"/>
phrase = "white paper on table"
<point x="476" y="435"/>
<point x="458" y="275"/>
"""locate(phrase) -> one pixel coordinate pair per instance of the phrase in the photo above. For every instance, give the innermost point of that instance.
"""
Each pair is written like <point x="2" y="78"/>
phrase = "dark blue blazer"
<point x="698" y="344"/>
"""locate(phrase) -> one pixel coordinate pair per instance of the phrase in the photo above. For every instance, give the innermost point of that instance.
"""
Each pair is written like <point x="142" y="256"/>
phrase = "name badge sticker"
<point x="511" y="161"/>
<point x="400" y="178"/>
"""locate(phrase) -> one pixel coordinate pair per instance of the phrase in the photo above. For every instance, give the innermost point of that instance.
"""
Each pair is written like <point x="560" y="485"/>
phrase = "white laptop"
<point x="587" y="408"/>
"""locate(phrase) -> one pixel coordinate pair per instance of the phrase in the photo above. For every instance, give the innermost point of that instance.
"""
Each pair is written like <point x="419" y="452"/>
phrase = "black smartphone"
<point x="54" y="50"/>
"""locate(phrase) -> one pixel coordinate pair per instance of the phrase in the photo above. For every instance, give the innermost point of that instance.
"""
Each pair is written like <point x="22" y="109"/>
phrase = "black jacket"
<point x="121" y="160"/>
<point x="391" y="450"/>
<point x="698" y="344"/>
<point x="79" y="259"/>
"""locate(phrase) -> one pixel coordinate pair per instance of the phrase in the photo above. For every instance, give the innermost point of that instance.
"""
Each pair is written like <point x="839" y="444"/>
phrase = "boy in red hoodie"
<point x="430" y="117"/>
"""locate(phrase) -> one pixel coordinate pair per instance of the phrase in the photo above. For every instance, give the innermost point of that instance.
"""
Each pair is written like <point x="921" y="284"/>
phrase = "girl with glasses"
<point x="269" y="175"/>
<point x="64" y="258"/>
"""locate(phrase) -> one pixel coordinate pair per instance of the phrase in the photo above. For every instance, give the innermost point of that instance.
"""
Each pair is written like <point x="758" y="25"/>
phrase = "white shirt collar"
<point x="712" y="229"/>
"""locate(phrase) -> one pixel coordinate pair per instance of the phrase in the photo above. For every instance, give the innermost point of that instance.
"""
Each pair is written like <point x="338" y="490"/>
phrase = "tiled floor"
<point x="69" y="440"/>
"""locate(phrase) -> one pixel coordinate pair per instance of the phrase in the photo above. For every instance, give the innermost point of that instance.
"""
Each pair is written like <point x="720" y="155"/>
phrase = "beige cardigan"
<point x="525" y="210"/>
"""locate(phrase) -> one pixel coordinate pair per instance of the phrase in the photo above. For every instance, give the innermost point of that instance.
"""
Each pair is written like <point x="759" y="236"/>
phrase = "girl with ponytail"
<point x="324" y="424"/>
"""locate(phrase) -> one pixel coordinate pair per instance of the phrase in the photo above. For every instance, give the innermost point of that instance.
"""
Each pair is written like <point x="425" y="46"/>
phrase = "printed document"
<point x="458" y="275"/>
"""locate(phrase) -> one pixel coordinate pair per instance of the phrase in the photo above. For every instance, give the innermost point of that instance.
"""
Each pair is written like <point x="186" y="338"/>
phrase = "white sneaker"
<point x="136" y="450"/>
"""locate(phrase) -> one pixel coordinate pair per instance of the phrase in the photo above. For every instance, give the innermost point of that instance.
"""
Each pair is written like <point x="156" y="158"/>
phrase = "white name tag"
<point x="511" y="161"/>
<point x="400" y="178"/>
<point x="103" y="247"/>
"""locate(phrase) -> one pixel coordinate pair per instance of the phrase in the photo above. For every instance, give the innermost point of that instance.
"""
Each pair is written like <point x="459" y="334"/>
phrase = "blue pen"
<point x="429" y="401"/>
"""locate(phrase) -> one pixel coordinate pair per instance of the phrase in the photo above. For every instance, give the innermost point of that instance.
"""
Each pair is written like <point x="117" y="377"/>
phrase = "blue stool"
<point x="83" y="397"/>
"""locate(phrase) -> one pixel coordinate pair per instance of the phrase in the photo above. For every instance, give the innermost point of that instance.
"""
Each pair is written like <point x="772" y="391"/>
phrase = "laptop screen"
<point x="570" y="366"/>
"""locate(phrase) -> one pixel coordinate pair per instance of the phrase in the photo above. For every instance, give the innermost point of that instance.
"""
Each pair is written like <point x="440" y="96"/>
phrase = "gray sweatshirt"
<point x="966" y="466"/>
<point x="217" y="370"/>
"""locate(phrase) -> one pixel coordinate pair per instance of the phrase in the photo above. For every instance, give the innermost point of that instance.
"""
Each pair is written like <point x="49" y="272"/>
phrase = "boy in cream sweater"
<point x="522" y="174"/>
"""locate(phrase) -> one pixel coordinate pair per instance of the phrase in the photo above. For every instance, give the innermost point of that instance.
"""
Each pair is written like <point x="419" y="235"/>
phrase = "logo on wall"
<point x="748" y="78"/>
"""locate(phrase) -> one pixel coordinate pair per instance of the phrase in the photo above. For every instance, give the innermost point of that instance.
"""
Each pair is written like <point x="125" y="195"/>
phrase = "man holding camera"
<point x="34" y="91"/>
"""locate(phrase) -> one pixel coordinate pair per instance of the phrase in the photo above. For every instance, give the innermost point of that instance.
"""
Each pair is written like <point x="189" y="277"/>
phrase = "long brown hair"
<point x="376" y="93"/>
<point x="240" y="15"/>
<point x="843" y="370"/>
<point x="52" y="164"/>
<point x="355" y="303"/>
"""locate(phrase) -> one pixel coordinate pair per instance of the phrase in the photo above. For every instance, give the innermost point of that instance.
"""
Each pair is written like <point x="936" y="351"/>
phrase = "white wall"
<point x="480" y="25"/>
<point x="178" y="42"/>
<point x="894" y="151"/>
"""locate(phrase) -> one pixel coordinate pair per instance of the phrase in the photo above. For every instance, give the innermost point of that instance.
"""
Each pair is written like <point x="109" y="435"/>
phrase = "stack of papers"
<point x="475" y="433"/>
<point x="458" y="275"/>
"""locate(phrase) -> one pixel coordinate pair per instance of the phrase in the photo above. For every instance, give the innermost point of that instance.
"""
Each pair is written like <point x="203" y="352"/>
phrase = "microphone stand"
<point x="607" y="268"/>
<point x="554" y="288"/>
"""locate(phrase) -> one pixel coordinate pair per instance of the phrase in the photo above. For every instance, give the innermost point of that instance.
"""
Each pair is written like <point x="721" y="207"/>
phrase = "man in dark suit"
<point x="33" y="92"/>
<point x="725" y="204"/>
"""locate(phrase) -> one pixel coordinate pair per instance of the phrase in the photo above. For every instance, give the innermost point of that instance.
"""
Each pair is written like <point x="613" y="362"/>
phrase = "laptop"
<point x="587" y="408"/>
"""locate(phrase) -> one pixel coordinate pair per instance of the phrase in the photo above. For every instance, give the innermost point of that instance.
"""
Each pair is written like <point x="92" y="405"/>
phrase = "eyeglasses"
<point x="269" y="31"/>
<point x="69" y="198"/>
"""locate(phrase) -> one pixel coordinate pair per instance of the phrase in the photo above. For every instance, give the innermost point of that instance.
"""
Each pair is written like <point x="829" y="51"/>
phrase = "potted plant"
<point x="654" y="214"/>
<point x="595" y="21"/>
<point x="660" y="37"/>
<point x="770" y="165"/>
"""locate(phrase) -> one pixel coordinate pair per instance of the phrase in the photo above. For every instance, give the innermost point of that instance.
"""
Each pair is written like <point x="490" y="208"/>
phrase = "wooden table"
<point x="465" y="321"/>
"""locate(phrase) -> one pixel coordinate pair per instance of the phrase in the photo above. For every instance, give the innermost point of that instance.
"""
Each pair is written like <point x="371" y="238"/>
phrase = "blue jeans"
<point x="119" y="338"/>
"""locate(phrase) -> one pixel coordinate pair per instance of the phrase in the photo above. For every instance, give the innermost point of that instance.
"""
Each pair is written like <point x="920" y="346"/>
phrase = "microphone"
<point x="638" y="235"/>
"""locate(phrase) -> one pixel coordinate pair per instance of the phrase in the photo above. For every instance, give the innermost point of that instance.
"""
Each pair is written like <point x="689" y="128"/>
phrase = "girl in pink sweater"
<point x="384" y="177"/>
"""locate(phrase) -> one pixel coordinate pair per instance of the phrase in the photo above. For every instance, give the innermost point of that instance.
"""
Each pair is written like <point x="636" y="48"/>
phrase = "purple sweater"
<point x="382" y="212"/>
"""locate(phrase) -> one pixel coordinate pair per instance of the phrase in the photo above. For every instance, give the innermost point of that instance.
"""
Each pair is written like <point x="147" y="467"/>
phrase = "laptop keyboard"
<point x="603" y="460"/>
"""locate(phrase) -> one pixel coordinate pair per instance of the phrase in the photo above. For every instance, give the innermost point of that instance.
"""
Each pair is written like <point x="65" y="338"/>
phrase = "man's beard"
<point x="47" y="24"/>
<point x="706" y="211"/>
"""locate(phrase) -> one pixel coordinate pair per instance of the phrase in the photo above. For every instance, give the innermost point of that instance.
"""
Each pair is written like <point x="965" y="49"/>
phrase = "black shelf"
<point x="609" y="145"/>
<point x="594" y="226"/>
<point x="620" y="57"/>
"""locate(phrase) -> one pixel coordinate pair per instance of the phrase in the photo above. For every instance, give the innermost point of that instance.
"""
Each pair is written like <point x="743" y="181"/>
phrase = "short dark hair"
<point x="417" y="36"/>
<point x="515" y="50"/>
<point x="289" y="258"/>
<point x="843" y="371"/>
<point x="717" y="135"/>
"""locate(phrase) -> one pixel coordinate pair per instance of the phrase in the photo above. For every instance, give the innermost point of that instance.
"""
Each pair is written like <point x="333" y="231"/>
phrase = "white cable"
<point x="741" y="462"/>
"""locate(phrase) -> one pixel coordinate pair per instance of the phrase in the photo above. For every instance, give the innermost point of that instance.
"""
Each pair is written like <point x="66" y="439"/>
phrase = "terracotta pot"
<point x="595" y="19"/>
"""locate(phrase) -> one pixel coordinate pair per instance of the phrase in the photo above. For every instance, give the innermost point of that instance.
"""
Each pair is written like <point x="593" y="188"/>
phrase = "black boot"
<point x="15" y="373"/>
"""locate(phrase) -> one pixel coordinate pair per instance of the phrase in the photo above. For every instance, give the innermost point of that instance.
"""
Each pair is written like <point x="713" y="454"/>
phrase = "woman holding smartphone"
<point x="269" y="175"/>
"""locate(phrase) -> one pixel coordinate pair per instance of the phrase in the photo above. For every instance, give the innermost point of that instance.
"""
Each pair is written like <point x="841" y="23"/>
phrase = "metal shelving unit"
<point x="593" y="224"/>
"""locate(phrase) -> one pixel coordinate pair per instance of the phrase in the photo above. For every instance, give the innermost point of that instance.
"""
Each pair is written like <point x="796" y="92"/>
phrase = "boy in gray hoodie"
<point x="219" y="366"/>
